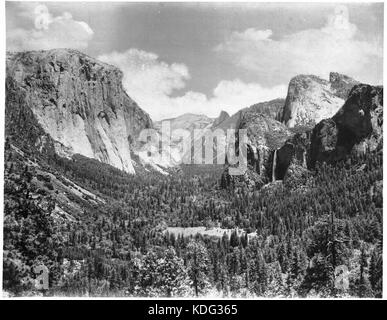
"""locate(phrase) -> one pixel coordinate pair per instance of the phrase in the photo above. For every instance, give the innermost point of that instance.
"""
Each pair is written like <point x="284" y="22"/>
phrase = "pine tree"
<point x="362" y="283"/>
<point x="198" y="266"/>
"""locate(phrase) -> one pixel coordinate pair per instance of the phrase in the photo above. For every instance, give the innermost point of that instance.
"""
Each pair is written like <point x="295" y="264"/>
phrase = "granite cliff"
<point x="77" y="101"/>
<point x="311" y="99"/>
<point x="357" y="127"/>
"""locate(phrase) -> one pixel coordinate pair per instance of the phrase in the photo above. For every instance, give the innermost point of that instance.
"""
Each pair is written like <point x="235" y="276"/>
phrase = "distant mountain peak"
<point x="335" y="76"/>
<point x="78" y="101"/>
<point x="223" y="116"/>
<point x="341" y="84"/>
<point x="311" y="99"/>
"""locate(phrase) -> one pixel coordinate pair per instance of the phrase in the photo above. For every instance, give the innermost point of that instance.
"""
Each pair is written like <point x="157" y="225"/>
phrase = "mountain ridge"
<point x="79" y="101"/>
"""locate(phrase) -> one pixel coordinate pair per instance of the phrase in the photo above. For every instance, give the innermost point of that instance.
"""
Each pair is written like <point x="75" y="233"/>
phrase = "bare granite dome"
<point x="311" y="99"/>
<point x="80" y="102"/>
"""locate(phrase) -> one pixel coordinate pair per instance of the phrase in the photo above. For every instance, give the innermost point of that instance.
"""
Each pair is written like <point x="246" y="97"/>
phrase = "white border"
<point x="2" y="99"/>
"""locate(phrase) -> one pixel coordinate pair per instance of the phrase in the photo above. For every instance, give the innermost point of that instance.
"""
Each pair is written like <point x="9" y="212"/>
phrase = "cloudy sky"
<point x="204" y="58"/>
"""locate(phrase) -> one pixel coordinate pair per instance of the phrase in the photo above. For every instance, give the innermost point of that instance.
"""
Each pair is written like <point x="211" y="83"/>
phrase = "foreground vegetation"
<point x="303" y="231"/>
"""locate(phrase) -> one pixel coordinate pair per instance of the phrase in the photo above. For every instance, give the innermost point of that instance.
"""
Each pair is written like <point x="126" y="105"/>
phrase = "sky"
<point x="207" y="57"/>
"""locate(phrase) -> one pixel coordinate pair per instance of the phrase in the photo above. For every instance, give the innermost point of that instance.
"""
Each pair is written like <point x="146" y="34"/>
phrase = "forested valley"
<point x="287" y="239"/>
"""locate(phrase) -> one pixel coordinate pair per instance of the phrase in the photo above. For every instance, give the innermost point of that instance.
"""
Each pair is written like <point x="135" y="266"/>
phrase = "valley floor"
<point x="113" y="234"/>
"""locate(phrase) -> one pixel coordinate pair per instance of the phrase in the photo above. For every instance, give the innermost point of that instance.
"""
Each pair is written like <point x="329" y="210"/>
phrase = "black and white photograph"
<point x="192" y="150"/>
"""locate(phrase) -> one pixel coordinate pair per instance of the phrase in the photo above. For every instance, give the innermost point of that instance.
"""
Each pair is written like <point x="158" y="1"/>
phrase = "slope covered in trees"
<point x="304" y="232"/>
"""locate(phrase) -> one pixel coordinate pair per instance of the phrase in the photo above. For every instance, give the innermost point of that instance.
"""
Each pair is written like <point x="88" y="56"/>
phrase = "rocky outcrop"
<point x="296" y="176"/>
<point x="294" y="151"/>
<point x="357" y="127"/>
<point x="276" y="153"/>
<point x="21" y="126"/>
<point x="179" y="137"/>
<point x="341" y="84"/>
<point x="250" y="179"/>
<point x="264" y="136"/>
<point x="187" y="121"/>
<point x="223" y="116"/>
<point x="311" y="99"/>
<point x="79" y="103"/>
<point x="273" y="108"/>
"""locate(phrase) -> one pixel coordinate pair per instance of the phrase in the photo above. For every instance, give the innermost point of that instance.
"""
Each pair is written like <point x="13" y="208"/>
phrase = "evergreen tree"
<point x="198" y="266"/>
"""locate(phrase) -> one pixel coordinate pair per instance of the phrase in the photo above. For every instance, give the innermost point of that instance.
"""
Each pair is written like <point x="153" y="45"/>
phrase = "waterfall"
<point x="274" y="165"/>
<point x="304" y="159"/>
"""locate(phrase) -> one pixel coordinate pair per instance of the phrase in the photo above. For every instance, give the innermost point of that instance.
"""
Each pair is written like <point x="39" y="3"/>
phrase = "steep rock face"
<point x="21" y="126"/>
<point x="188" y="121"/>
<point x="79" y="102"/>
<point x="175" y="145"/>
<point x="311" y="99"/>
<point x="223" y="116"/>
<point x="357" y="126"/>
<point x="264" y="132"/>
<point x="295" y="151"/>
<point x="250" y="179"/>
<point x="231" y="122"/>
<point x="341" y="84"/>
<point x="273" y="108"/>
<point x="296" y="176"/>
<point x="264" y="135"/>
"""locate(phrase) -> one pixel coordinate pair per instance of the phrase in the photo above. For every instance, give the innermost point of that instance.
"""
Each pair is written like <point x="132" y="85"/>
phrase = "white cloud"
<point x="151" y="82"/>
<point x="48" y="31"/>
<point x="337" y="46"/>
<point x="143" y="71"/>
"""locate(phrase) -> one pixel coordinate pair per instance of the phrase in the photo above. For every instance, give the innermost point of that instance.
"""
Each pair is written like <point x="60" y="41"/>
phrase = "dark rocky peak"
<point x="295" y="151"/>
<point x="264" y="135"/>
<point x="78" y="101"/>
<point x="262" y="130"/>
<point x="362" y="113"/>
<point x="341" y="84"/>
<point x="223" y="116"/>
<point x="356" y="127"/>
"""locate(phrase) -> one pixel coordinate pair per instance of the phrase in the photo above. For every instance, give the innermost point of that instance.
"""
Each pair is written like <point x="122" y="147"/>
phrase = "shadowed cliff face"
<point x="294" y="151"/>
<point x="79" y="102"/>
<point x="223" y="116"/>
<point x="265" y="134"/>
<point x="357" y="127"/>
<point x="311" y="99"/>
